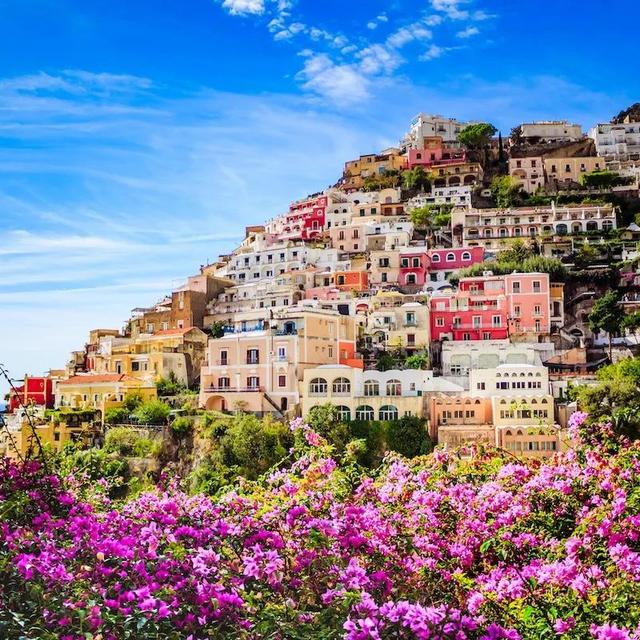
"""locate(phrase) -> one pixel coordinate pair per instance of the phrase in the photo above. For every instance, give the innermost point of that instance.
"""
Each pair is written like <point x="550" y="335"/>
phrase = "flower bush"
<point x="434" y="548"/>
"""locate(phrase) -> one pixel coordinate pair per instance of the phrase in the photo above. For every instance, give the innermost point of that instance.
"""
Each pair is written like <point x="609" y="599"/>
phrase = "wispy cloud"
<point x="365" y="57"/>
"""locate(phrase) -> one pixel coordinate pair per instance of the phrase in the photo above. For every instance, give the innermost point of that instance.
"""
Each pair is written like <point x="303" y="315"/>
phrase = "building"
<point x="429" y="126"/>
<point x="488" y="307"/>
<point x="458" y="420"/>
<point x="370" y="395"/>
<point x="414" y="264"/>
<point x="384" y="269"/>
<point x="617" y="141"/>
<point x="370" y="166"/>
<point x="262" y="356"/>
<point x="550" y="131"/>
<point x="569" y="170"/>
<point x="305" y="219"/>
<point x="455" y="196"/>
<point x="529" y="172"/>
<point x="494" y="228"/>
<point x="34" y="391"/>
<point x="101" y="392"/>
<point x="445" y="262"/>
<point x="401" y="324"/>
<point x="434" y="153"/>
<point x="509" y="379"/>
<point x="457" y="174"/>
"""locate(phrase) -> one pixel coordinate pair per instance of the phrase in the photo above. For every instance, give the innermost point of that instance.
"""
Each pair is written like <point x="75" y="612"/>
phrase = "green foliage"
<point x="507" y="191"/>
<point x="216" y="329"/>
<point x="386" y="361"/>
<point x="416" y="178"/>
<point x="417" y="361"/>
<point x="586" y="255"/>
<point x="152" y="412"/>
<point x="600" y="179"/>
<point x="390" y="179"/>
<point x="133" y="400"/>
<point x="126" y="441"/>
<point x="431" y="215"/>
<point x="116" y="415"/>
<point x="477" y="136"/>
<point x="408" y="436"/>
<point x="518" y="252"/>
<point x="182" y="426"/>
<point x="631" y="322"/>
<point x="323" y="419"/>
<point x="607" y="315"/>
<point x="170" y="386"/>
<point x="253" y="446"/>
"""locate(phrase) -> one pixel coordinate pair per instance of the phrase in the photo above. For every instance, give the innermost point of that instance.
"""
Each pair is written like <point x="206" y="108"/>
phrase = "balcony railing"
<point x="216" y="389"/>
<point x="253" y="361"/>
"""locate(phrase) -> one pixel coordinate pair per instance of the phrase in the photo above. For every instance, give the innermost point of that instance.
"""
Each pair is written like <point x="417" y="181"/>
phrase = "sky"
<point x="138" y="138"/>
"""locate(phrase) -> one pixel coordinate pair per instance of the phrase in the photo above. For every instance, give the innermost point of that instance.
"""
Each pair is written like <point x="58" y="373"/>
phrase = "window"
<point x="411" y="278"/>
<point x="165" y="326"/>
<point x="466" y="256"/>
<point x="394" y="388"/>
<point x="371" y="388"/>
<point x="253" y="356"/>
<point x="477" y="322"/>
<point x="150" y="327"/>
<point x="451" y="257"/>
<point x="135" y="366"/>
<point x="538" y="326"/>
<point x="439" y="322"/>
<point x="253" y="382"/>
<point x="415" y="262"/>
<point x="341" y="387"/>
<point x="282" y="381"/>
<point x="496" y="321"/>
<point x="536" y="310"/>
<point x="365" y="412"/>
<point x="344" y="413"/>
<point x="282" y="353"/>
<point x="536" y="286"/>
<point x="404" y="262"/>
<point x="384" y="277"/>
<point x="388" y="412"/>
<point x="515" y="287"/>
<point x="223" y="383"/>
<point x="481" y="386"/>
<point x="318" y="387"/>
<point x="435" y="258"/>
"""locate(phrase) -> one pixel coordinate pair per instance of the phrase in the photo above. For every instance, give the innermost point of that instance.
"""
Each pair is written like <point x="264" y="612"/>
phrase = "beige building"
<point x="529" y="172"/>
<point x="563" y="170"/>
<point x="371" y="395"/>
<point x="260" y="360"/>
<point x="371" y="165"/>
<point x="402" y="325"/>
<point x="385" y="268"/>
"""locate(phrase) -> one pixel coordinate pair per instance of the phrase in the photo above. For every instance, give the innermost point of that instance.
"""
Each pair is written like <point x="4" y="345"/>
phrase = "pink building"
<point x="454" y="259"/>
<point x="414" y="265"/>
<point x="493" y="308"/>
<point x="306" y="218"/>
<point x="434" y="153"/>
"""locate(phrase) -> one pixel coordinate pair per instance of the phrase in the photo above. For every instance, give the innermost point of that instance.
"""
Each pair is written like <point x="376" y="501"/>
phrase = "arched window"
<point x="344" y="413"/>
<point x="365" y="412"/>
<point x="318" y="387"/>
<point x="394" y="388"/>
<point x="388" y="412"/>
<point x="341" y="387"/>
<point x="435" y="258"/>
<point x="451" y="257"/>
<point x="507" y="433"/>
<point x="466" y="256"/>
<point x="371" y="388"/>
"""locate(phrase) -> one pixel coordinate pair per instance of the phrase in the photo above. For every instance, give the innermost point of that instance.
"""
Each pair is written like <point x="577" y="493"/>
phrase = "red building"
<point x="433" y="154"/>
<point x="478" y="310"/>
<point x="34" y="390"/>
<point x="304" y="221"/>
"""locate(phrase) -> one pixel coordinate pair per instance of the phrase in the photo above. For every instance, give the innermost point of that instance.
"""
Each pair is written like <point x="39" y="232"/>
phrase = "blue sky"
<point x="138" y="138"/>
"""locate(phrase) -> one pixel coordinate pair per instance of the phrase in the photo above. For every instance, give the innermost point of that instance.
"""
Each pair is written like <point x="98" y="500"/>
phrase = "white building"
<point x="617" y="141"/>
<point x="456" y="196"/>
<point x="509" y="380"/>
<point x="427" y="126"/>
<point x="551" y="130"/>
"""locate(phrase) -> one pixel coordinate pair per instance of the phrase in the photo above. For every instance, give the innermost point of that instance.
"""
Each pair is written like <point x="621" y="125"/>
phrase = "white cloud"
<point x="415" y="31"/>
<point x="244" y="7"/>
<point x="433" y="20"/>
<point x="451" y="8"/>
<point x="468" y="32"/>
<point x="372" y="25"/>
<point x="342" y="83"/>
<point x="382" y="18"/>
<point x="378" y="59"/>
<point x="433" y="52"/>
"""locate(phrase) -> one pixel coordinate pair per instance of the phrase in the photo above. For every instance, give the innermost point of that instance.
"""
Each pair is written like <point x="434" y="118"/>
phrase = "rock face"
<point x="632" y="113"/>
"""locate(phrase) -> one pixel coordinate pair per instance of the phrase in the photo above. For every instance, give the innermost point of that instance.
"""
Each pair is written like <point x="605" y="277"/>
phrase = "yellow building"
<point x="356" y="171"/>
<point x="101" y="391"/>
<point x="54" y="433"/>
<point x="559" y="170"/>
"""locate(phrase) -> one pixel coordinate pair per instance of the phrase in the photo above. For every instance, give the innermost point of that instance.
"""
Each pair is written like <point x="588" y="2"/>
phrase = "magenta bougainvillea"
<point x="435" y="548"/>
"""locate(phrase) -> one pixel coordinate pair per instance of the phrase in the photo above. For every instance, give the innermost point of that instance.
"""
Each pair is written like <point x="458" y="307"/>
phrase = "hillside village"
<point x="461" y="277"/>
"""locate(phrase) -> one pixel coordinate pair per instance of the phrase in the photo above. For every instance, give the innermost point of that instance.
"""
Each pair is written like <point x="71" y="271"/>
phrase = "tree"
<point x="133" y="400"/>
<point x="408" y="436"/>
<point x="477" y="136"/>
<point x="631" y="322"/>
<point x="152" y="412"/>
<point x="417" y="361"/>
<point x="416" y="178"/>
<point x="216" y="329"/>
<point x="507" y="191"/>
<point x="170" y="386"/>
<point x="518" y="251"/>
<point x="116" y="415"/>
<point x="607" y="315"/>
<point x="385" y="361"/>
<point x="422" y="216"/>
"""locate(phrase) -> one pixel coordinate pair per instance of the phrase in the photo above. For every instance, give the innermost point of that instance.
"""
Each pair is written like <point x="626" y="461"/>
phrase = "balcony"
<point x="253" y="361"/>
<point x="286" y="332"/>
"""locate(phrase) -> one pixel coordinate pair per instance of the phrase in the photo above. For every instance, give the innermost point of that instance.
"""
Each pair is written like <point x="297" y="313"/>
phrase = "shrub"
<point x="117" y="415"/>
<point x="153" y="412"/>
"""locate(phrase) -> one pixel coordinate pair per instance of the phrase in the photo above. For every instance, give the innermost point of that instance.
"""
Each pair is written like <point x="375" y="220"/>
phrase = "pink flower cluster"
<point x="486" y="549"/>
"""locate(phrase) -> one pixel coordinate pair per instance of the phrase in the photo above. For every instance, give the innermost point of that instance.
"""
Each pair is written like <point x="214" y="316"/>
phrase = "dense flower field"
<point x="437" y="548"/>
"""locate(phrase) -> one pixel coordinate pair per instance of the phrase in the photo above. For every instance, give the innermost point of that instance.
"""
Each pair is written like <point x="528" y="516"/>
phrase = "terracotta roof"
<point x="93" y="379"/>
<point x="173" y="332"/>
